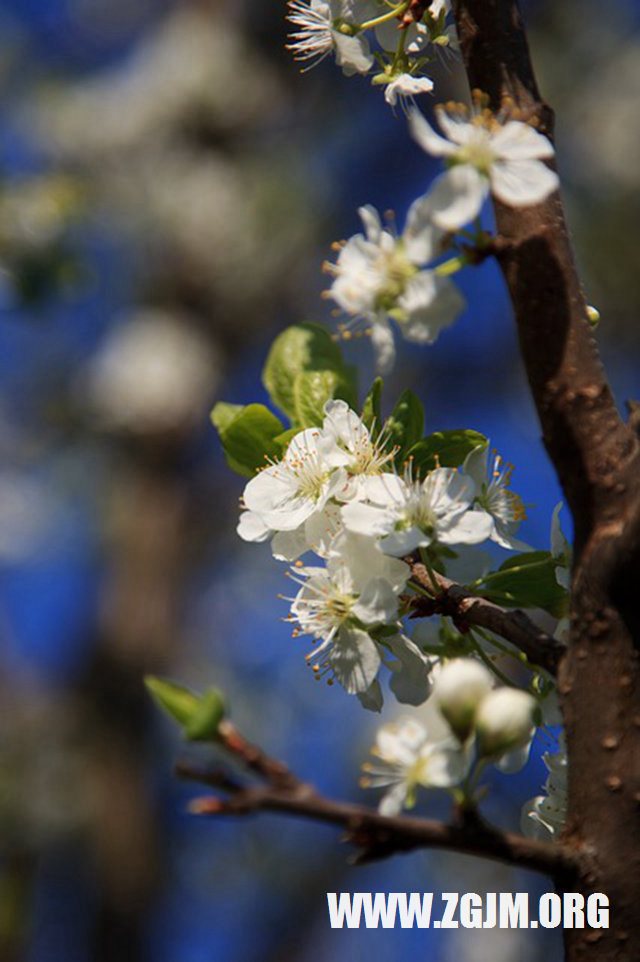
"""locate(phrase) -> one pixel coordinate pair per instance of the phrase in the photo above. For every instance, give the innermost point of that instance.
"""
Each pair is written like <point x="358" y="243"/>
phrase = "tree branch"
<point x="468" y="609"/>
<point x="376" y="836"/>
<point x="597" y="458"/>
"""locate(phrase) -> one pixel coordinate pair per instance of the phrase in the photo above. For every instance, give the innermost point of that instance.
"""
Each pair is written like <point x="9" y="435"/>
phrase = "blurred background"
<point x="169" y="185"/>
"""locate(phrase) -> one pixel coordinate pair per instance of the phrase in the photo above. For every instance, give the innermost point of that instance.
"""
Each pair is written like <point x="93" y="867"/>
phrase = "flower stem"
<point x="394" y="12"/>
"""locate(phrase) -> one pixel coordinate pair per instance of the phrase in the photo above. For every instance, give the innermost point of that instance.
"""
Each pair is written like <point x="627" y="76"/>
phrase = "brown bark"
<point x="597" y="458"/>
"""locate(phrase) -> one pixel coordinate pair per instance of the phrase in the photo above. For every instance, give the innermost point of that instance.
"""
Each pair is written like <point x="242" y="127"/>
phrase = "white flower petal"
<point x="518" y="141"/>
<point x="432" y="303"/>
<point x="421" y="236"/>
<point x="521" y="183"/>
<point x="251" y="527"/>
<point x="371" y="222"/>
<point x="378" y="603"/>
<point x="383" y="345"/>
<point x="289" y="545"/>
<point x="425" y="135"/>
<point x="371" y="699"/>
<point x="457" y="196"/>
<point x="393" y="801"/>
<point x="355" y="660"/>
<point x="470" y="528"/>
<point x="352" y="53"/>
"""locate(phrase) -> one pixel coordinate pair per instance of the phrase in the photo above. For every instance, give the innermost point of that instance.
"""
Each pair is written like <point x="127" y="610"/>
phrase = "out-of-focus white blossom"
<point x="154" y="372"/>
<point x="378" y="276"/>
<point x="543" y="817"/>
<point x="461" y="686"/>
<point x="483" y="155"/>
<point x="504" y="721"/>
<point x="406" y="759"/>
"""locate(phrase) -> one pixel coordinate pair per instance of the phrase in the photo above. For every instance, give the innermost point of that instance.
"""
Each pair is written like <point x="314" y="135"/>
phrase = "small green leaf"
<point x="445" y="448"/>
<point x="223" y="414"/>
<point x="311" y="390"/>
<point x="371" y="410"/>
<point x="527" y="581"/>
<point x="203" y="724"/>
<point x="248" y="437"/>
<point x="178" y="702"/>
<point x="405" y="424"/>
<point x="303" y="348"/>
<point x="198" y="715"/>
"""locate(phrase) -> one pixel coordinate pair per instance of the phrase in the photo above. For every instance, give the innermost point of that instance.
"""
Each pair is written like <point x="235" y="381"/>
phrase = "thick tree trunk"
<point x="597" y="458"/>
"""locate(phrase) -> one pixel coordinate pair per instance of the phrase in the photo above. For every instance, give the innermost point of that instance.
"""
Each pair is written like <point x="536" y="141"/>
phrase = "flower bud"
<point x="504" y="721"/>
<point x="460" y="688"/>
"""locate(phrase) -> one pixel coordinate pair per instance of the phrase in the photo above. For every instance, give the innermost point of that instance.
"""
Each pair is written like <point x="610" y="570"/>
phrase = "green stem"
<point x="490" y="665"/>
<point x="395" y="12"/>
<point x="515" y="568"/>
<point x="452" y="266"/>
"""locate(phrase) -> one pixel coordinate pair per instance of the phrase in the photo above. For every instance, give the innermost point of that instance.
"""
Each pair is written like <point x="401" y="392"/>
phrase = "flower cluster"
<point x="373" y="37"/>
<point x="379" y="276"/>
<point x="468" y="724"/>
<point x="336" y="493"/>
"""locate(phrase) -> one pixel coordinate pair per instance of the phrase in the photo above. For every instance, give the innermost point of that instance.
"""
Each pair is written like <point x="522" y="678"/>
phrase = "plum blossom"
<point x="285" y="494"/>
<point x="407" y="514"/>
<point x="494" y="496"/>
<point x="460" y="688"/>
<point x="377" y="276"/>
<point x="505" y="727"/>
<point x="407" y="758"/>
<point x="319" y="34"/>
<point x="543" y="817"/>
<point x="337" y="604"/>
<point x="483" y="155"/>
<point x="405" y="87"/>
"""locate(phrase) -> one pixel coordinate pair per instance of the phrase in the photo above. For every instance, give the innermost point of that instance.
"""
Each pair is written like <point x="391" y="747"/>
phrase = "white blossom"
<point x="483" y="155"/>
<point x="544" y="816"/>
<point x="319" y="34"/>
<point x="154" y="372"/>
<point x="407" y="514"/>
<point x="408" y="758"/>
<point x="460" y="688"/>
<point x="346" y="442"/>
<point x="495" y="497"/>
<point x="504" y="722"/>
<point x="357" y="590"/>
<point x="405" y="86"/>
<point x="285" y="494"/>
<point x="377" y="276"/>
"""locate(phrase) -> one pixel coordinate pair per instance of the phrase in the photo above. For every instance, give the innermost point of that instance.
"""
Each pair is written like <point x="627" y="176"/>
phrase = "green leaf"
<point x="371" y="409"/>
<point x="223" y="414"/>
<point x="311" y="390"/>
<point x="198" y="715"/>
<point x="445" y="448"/>
<point x="527" y="581"/>
<point x="405" y="424"/>
<point x="304" y="348"/>
<point x="178" y="702"/>
<point x="203" y="724"/>
<point x="248" y="436"/>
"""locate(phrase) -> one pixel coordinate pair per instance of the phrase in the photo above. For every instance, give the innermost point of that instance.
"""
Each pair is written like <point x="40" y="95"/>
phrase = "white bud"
<point x="460" y="688"/>
<point x="505" y="720"/>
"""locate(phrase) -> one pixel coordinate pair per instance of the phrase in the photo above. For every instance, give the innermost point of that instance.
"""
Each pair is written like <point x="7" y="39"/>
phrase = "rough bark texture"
<point x="597" y="458"/>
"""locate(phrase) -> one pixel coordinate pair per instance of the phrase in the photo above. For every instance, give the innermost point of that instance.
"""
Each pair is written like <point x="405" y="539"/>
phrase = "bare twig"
<point x="376" y="836"/>
<point x="466" y="609"/>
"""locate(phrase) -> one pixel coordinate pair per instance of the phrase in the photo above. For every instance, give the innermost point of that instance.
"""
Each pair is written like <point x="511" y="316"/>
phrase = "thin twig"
<point x="467" y="609"/>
